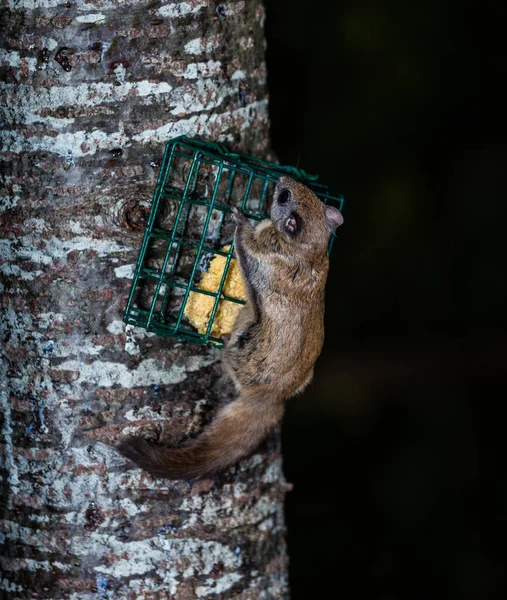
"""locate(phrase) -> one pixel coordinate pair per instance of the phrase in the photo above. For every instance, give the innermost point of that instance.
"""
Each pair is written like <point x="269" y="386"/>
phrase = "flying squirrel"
<point x="275" y="341"/>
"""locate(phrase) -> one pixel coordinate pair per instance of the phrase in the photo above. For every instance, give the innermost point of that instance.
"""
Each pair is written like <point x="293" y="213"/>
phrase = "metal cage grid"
<point x="189" y="223"/>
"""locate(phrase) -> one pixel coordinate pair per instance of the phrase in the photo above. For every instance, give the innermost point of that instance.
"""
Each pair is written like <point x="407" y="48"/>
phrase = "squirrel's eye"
<point x="284" y="196"/>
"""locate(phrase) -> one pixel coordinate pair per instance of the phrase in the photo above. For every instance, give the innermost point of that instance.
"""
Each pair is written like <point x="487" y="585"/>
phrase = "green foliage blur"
<point x="396" y="449"/>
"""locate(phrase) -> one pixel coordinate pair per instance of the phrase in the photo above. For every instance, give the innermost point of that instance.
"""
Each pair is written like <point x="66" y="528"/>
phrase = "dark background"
<point x="396" y="451"/>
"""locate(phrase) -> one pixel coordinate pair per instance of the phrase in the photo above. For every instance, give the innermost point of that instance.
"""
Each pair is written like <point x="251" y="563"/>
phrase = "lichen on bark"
<point x="92" y="92"/>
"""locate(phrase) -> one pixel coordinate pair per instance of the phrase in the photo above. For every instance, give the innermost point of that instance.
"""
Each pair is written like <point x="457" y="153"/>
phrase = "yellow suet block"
<point x="199" y="306"/>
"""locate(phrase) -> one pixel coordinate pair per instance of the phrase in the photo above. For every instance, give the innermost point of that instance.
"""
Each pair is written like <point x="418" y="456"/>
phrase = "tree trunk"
<point x="94" y="90"/>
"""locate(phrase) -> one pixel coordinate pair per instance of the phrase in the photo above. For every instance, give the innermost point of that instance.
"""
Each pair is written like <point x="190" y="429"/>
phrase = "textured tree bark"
<point x="93" y="91"/>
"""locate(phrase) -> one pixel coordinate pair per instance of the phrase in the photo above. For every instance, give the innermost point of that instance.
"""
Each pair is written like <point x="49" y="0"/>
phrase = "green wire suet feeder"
<point x="190" y="222"/>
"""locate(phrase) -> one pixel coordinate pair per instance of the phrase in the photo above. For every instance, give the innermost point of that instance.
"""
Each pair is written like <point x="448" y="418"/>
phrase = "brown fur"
<point x="275" y="341"/>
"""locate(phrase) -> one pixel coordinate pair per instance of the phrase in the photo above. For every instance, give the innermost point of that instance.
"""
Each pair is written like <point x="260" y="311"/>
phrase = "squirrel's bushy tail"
<point x="236" y="431"/>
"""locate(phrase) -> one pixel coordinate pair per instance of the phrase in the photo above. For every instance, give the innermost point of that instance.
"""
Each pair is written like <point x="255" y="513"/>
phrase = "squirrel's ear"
<point x="334" y="217"/>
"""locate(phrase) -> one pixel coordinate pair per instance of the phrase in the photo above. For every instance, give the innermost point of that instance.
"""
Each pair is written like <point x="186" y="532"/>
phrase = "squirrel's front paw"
<point x="239" y="215"/>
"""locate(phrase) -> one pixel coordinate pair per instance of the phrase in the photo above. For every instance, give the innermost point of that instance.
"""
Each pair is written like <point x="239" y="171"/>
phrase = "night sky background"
<point x="397" y="451"/>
